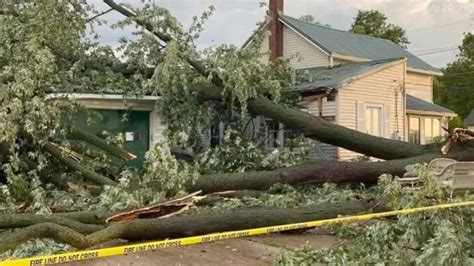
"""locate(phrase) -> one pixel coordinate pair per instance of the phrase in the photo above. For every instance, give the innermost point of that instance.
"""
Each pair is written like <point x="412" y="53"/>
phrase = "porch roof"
<point x="418" y="106"/>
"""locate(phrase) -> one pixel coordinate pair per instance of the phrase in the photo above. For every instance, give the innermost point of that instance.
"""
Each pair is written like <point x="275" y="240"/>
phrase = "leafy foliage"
<point x="312" y="19"/>
<point x="374" y="23"/>
<point x="440" y="237"/>
<point x="458" y="79"/>
<point x="239" y="155"/>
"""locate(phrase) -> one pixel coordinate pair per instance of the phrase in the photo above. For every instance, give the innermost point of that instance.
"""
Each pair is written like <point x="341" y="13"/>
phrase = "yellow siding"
<point x="316" y="148"/>
<point x="329" y="108"/>
<point x="420" y="85"/>
<point x="303" y="53"/>
<point x="264" y="50"/>
<point x="376" y="88"/>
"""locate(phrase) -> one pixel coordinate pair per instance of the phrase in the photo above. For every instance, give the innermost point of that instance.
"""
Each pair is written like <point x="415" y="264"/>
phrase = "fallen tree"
<point x="316" y="173"/>
<point x="85" y="229"/>
<point x="182" y="226"/>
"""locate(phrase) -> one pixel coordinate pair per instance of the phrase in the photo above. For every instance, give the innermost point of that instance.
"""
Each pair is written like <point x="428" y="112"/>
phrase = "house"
<point x="469" y="121"/>
<point x="360" y="82"/>
<point x="134" y="117"/>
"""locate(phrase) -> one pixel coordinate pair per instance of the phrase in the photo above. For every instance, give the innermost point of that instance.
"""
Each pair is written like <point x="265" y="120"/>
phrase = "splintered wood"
<point x="458" y="135"/>
<point x="159" y="210"/>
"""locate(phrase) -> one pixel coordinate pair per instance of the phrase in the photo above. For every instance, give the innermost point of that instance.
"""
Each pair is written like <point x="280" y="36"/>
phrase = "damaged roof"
<point x="338" y="76"/>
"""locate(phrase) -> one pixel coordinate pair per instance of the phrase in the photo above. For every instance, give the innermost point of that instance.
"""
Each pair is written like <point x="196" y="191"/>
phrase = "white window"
<point x="432" y="129"/>
<point x="414" y="130"/>
<point x="373" y="120"/>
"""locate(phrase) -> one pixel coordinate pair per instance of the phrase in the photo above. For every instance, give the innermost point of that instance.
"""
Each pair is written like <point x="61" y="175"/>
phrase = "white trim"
<point x="428" y="113"/>
<point x="409" y="69"/>
<point x="94" y="96"/>
<point x="381" y="121"/>
<point x="351" y="58"/>
<point x="304" y="37"/>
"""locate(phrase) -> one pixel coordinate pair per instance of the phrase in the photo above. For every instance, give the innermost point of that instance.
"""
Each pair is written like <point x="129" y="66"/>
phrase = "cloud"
<point x="234" y="21"/>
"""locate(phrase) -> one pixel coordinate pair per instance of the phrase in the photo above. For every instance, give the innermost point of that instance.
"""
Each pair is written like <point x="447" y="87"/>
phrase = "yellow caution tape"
<point x="150" y="246"/>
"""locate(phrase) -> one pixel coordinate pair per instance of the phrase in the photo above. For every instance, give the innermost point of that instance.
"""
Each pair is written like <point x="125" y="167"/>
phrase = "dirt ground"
<point x="258" y="250"/>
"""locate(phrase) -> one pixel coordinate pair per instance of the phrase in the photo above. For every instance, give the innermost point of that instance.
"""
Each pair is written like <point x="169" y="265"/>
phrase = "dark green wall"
<point x="112" y="121"/>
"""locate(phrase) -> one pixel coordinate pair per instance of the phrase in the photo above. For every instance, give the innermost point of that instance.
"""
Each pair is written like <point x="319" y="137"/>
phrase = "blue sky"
<point x="434" y="28"/>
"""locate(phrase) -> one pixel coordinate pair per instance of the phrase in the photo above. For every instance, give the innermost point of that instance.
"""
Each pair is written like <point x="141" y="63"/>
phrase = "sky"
<point x="434" y="27"/>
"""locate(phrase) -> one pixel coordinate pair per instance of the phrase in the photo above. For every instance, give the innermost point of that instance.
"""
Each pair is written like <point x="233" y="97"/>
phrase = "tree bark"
<point x="313" y="127"/>
<point x="314" y="173"/>
<point x="8" y="221"/>
<point x="183" y="226"/>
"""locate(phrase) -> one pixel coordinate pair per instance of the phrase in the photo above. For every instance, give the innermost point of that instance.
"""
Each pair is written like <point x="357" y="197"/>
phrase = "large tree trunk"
<point x="313" y="127"/>
<point x="182" y="226"/>
<point x="317" y="172"/>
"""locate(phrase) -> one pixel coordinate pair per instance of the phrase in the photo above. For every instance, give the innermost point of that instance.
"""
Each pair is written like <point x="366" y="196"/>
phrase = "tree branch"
<point x="8" y="221"/>
<point x="98" y="15"/>
<point x="74" y="165"/>
<point x="102" y="144"/>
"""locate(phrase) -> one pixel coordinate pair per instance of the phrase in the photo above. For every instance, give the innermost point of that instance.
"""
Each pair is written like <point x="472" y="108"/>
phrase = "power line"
<point x="436" y="52"/>
<point x="438" y="48"/>
<point x="439" y="26"/>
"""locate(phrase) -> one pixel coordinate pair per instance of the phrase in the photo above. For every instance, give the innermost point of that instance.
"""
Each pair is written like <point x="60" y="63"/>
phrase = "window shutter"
<point x="361" y="116"/>
<point x="387" y="121"/>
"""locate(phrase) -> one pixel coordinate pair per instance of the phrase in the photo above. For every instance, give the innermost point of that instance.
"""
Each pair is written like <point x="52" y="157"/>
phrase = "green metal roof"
<point x="347" y="43"/>
<point x="469" y="121"/>
<point x="338" y="76"/>
<point x="417" y="104"/>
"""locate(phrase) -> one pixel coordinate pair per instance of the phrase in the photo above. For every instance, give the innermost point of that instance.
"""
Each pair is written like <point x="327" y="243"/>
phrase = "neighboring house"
<point x="375" y="85"/>
<point x="469" y="121"/>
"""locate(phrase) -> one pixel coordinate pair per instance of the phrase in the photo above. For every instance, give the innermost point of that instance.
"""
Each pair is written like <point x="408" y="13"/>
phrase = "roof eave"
<point x="350" y="57"/>
<point x="428" y="72"/>
<point x="430" y="113"/>
<point x="98" y="96"/>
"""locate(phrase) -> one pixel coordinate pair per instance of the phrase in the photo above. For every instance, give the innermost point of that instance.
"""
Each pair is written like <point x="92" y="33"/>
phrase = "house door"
<point x="134" y="126"/>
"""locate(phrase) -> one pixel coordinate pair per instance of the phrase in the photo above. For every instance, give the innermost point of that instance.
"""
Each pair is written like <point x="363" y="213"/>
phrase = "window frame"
<point x="419" y="128"/>
<point x="381" y="119"/>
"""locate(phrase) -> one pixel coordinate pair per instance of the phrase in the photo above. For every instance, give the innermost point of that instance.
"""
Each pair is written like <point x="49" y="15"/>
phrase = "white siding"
<point x="379" y="89"/>
<point x="303" y="53"/>
<point x="420" y="85"/>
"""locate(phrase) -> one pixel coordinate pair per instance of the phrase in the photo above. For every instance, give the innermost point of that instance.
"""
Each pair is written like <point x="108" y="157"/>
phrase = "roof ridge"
<point x="343" y="31"/>
<point x="378" y="61"/>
